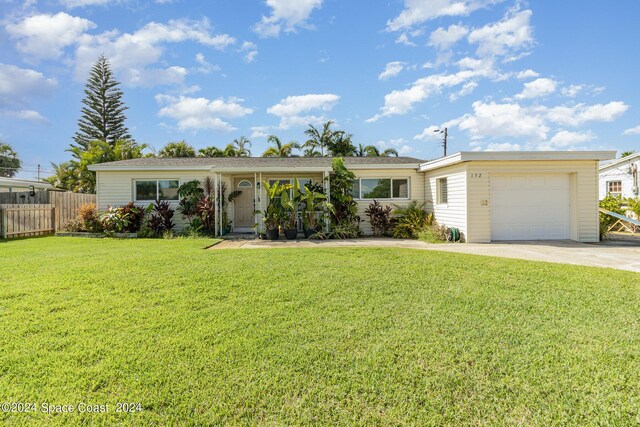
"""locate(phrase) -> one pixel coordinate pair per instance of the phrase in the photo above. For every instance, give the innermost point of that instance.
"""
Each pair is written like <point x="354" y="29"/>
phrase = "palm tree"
<point x="241" y="145"/>
<point x="360" y="151"/>
<point x="373" y="151"/>
<point x="389" y="152"/>
<point x="177" y="149"/>
<point x="230" y="151"/>
<point x="627" y="153"/>
<point x="318" y="140"/>
<point x="210" y="152"/>
<point x="279" y="149"/>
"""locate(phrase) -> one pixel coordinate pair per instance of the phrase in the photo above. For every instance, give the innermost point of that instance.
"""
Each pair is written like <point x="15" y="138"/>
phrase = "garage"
<point x="516" y="195"/>
<point x="529" y="207"/>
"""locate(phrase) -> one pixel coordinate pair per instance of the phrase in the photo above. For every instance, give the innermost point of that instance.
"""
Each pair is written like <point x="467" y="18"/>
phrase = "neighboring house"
<point x="487" y="195"/>
<point x="620" y="177"/>
<point x="14" y="184"/>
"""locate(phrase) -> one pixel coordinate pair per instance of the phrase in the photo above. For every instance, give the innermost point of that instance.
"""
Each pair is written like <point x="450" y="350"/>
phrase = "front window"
<point x="156" y="189"/>
<point x="380" y="188"/>
<point x="614" y="188"/>
<point x="442" y="188"/>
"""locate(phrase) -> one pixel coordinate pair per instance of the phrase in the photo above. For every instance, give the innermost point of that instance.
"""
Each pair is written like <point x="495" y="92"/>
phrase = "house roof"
<point x="16" y="182"/>
<point x="467" y="156"/>
<point x="256" y="163"/>
<point x="620" y="161"/>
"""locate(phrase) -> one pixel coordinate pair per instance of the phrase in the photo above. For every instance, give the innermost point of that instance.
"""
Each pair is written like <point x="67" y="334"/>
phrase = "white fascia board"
<point x="279" y="169"/>
<point x="414" y="166"/>
<point x="617" y="162"/>
<point x="468" y="156"/>
<point x="99" y="167"/>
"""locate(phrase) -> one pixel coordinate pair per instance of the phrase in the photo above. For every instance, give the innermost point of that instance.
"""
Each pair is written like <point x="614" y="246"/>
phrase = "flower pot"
<point x="273" y="234"/>
<point x="308" y="232"/>
<point x="262" y="236"/>
<point x="291" y="233"/>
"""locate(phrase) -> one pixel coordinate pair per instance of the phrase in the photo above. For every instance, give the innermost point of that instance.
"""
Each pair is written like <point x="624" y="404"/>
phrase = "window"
<point x="614" y="187"/>
<point x="156" y="189"/>
<point x="245" y="184"/>
<point x="380" y="188"/>
<point x="442" y="191"/>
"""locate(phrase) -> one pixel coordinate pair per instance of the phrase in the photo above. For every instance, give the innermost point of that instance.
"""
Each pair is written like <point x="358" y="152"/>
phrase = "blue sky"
<point x="500" y="74"/>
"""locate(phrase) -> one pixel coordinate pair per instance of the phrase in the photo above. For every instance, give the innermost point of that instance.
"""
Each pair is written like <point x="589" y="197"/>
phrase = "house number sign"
<point x="476" y="175"/>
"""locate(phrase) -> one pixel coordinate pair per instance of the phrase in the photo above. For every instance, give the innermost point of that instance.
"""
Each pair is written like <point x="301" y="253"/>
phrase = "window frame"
<point x="157" y="180"/>
<point x="614" y="193"/>
<point x="404" y="178"/>
<point x="442" y="198"/>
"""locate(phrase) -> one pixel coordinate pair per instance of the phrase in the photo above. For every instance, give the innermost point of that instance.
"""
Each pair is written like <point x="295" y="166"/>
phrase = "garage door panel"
<point x="529" y="206"/>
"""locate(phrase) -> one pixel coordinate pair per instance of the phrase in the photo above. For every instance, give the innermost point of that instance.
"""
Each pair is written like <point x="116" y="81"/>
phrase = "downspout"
<point x="327" y="183"/>
<point x="215" y="204"/>
<point x="221" y="203"/>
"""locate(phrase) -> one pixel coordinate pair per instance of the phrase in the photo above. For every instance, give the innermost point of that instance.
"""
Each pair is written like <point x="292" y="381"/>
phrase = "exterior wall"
<point x="583" y="175"/>
<point x="416" y="191"/>
<point x="453" y="213"/>
<point x="620" y="173"/>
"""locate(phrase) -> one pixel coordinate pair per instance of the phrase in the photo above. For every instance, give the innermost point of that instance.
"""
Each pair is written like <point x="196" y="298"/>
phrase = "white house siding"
<point x="583" y="178"/>
<point x="416" y="190"/>
<point x="620" y="172"/>
<point x="115" y="188"/>
<point x="454" y="212"/>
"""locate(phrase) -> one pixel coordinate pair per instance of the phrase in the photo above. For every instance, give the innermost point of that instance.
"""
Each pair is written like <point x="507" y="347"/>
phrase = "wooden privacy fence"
<point x="26" y="220"/>
<point x="63" y="206"/>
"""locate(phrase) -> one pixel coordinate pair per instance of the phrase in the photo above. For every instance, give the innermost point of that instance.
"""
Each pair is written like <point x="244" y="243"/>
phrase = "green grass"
<point x="313" y="336"/>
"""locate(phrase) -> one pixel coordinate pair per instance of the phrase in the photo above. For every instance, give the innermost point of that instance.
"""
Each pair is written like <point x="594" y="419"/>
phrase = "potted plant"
<point x="272" y="216"/>
<point x="291" y="202"/>
<point x="312" y="202"/>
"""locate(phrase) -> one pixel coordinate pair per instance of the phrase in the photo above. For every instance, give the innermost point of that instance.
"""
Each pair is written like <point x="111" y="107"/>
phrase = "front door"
<point x="243" y="204"/>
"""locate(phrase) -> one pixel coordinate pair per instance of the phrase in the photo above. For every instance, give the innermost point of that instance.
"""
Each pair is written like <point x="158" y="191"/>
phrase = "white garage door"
<point x="529" y="207"/>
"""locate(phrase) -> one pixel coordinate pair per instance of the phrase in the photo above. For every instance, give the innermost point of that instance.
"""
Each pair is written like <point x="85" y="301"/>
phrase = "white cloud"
<point x="511" y="33"/>
<point x="84" y="3"/>
<point x="632" y="131"/>
<point x="294" y="110"/>
<point x="579" y="114"/>
<point x="467" y="89"/>
<point x="526" y="74"/>
<point x="416" y="12"/>
<point x="29" y="115"/>
<point x="405" y="40"/>
<point x="250" y="51"/>
<point x="402" y="101"/>
<point x="286" y="15"/>
<point x="564" y="139"/>
<point x="502" y="120"/>
<point x="572" y="90"/>
<point x="202" y="113"/>
<point x="392" y="69"/>
<point x="431" y="133"/>
<point x="444" y="39"/>
<point x="16" y="82"/>
<point x="260" y="132"/>
<point x="537" y="88"/>
<point x="45" y="36"/>
<point x="205" y="67"/>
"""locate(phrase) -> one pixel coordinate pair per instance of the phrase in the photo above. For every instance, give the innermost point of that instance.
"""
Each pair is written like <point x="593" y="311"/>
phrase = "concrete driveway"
<point x="613" y="254"/>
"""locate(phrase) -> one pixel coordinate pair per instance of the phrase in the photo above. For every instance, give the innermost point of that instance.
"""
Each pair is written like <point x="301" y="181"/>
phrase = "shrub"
<point x="344" y="211"/>
<point x="135" y="215"/>
<point x="380" y="218"/>
<point x="190" y="194"/>
<point x="411" y="220"/>
<point x="75" y="225"/>
<point x="161" y="220"/>
<point x="434" y="233"/>
<point x="634" y="206"/>
<point x="345" y="230"/>
<point x="613" y="204"/>
<point x="114" y="220"/>
<point x="88" y="218"/>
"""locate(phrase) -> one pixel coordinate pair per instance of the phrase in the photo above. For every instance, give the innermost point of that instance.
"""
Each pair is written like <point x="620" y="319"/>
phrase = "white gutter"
<point x="487" y="156"/>
<point x="100" y="167"/>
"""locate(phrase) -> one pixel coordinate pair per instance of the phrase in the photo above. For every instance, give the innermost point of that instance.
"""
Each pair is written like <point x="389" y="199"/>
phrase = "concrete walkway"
<point x="612" y="254"/>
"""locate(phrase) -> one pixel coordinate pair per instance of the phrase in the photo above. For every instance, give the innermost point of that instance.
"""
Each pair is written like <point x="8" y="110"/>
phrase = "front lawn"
<point x="312" y="336"/>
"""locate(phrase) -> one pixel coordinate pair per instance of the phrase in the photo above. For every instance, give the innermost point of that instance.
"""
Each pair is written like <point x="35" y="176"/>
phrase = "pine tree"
<point x="103" y="116"/>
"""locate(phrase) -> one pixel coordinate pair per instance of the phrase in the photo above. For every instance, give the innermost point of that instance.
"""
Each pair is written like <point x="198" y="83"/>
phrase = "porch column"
<point x="327" y="192"/>
<point x="215" y="204"/>
<point x="260" y="196"/>
<point x="255" y="205"/>
<point x="220" y="202"/>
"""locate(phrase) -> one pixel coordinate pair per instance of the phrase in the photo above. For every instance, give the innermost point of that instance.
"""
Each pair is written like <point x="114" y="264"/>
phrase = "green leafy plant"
<point x="290" y="201"/>
<point x="312" y="201"/>
<point x="613" y="204"/>
<point x="114" y="220"/>
<point x="161" y="220"/>
<point x="411" y="220"/>
<point x="434" y="233"/>
<point x="273" y="215"/>
<point x="633" y="203"/>
<point x="344" y="214"/>
<point x="380" y="218"/>
<point x="190" y="193"/>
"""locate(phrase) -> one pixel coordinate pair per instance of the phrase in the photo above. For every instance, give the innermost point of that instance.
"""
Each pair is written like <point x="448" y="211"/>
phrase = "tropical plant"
<point x="273" y="215"/>
<point x="345" y="209"/>
<point x="75" y="175"/>
<point x="135" y="215"/>
<point x="102" y="117"/>
<point x="627" y="153"/>
<point x="312" y="201"/>
<point x="177" y="149"/>
<point x="206" y="214"/>
<point x="634" y="205"/>
<point x="9" y="161"/>
<point x="241" y="145"/>
<point x="279" y="149"/>
<point x="211" y="152"/>
<point x="434" y="233"/>
<point x="614" y="204"/>
<point x="290" y="201"/>
<point x="328" y="141"/>
<point x="190" y="193"/>
<point x="380" y="218"/>
<point x="410" y="220"/>
<point x="114" y="220"/>
<point x="161" y="220"/>
<point x="373" y="151"/>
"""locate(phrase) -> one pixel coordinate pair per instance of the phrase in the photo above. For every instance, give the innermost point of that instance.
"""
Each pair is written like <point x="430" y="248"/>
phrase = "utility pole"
<point x="39" y="171"/>
<point x="444" y="141"/>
